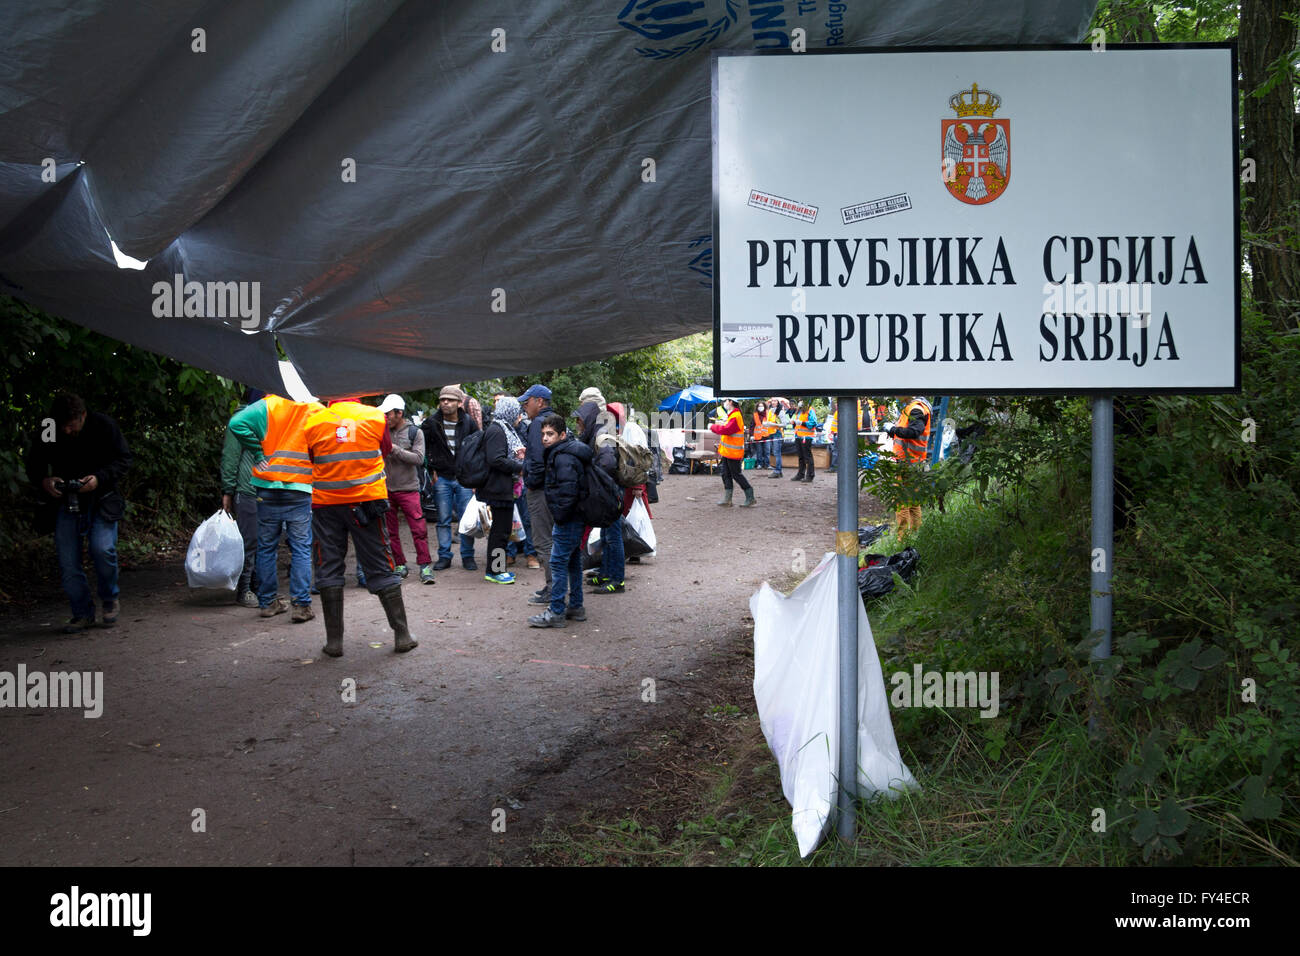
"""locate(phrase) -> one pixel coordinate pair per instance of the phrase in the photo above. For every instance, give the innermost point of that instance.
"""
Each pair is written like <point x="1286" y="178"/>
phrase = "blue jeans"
<point x="774" y="453"/>
<point x="69" y="529"/>
<point x="611" y="552"/>
<point x="288" y="513"/>
<point x="452" y="499"/>
<point x="760" y="454"/>
<point x="566" y="565"/>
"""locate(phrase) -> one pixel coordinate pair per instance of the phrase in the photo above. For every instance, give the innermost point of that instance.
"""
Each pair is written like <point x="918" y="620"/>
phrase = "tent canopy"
<point x="399" y="194"/>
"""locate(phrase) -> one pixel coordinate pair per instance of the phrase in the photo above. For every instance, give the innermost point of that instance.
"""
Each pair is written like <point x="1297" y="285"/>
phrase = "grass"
<point x="1062" y="776"/>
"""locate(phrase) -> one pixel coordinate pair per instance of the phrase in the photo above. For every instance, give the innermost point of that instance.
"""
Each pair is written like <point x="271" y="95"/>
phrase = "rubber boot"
<point x="331" y="602"/>
<point x="749" y="498"/>
<point x="391" y="599"/>
<point x="726" y="498"/>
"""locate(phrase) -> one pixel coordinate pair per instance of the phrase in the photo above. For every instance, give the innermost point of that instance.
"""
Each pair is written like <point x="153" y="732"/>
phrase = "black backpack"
<point x="601" y="502"/>
<point x="471" y="462"/>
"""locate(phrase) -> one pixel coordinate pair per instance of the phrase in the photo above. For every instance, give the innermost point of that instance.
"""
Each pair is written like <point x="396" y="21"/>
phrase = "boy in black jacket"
<point x="567" y="461"/>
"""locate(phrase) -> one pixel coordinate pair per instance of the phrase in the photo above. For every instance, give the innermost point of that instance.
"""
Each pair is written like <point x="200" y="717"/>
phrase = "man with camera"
<point x="76" y="463"/>
<point x="347" y="443"/>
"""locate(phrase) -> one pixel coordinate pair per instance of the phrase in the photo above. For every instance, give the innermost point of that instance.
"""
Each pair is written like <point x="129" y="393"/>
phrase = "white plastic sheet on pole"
<point x="796" y="663"/>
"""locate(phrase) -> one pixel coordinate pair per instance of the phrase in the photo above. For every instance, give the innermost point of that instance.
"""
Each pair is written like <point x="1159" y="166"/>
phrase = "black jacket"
<point x="98" y="449"/>
<point x="502" y="466"/>
<point x="594" y="424"/>
<point x="914" y="428"/>
<point x="534" y="460"/>
<point x="566" y="471"/>
<point x="436" y="450"/>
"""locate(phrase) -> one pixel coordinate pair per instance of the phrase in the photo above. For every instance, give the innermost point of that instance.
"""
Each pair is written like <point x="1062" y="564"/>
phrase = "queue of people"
<point x="776" y="420"/>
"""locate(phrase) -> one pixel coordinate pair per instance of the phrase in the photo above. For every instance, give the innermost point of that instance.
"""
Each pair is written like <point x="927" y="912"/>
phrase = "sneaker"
<point x="442" y="564"/>
<point x="541" y="597"/>
<point x="533" y="563"/>
<point x="797" y="478"/>
<point x="808" y="480"/>
<point x="511" y="560"/>
<point x="609" y="587"/>
<point x="597" y="581"/>
<point x="301" y="613"/>
<point x="546" y="619"/>
<point x="111" y="610"/>
<point x="469" y="564"/>
<point x="776" y="474"/>
<point x="426" y="574"/>
<point x="575" y="614"/>
<point x="278" y="606"/>
<point x="247" y="599"/>
<point x="76" y="625"/>
<point x="401" y="571"/>
<point x="505" y="577"/>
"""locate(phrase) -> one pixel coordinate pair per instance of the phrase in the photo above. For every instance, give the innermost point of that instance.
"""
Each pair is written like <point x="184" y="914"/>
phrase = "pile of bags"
<point x="638" y="537"/>
<point x="876" y="571"/>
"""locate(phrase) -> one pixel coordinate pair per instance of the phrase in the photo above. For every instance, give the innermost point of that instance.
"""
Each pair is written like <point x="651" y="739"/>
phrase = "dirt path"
<point x="209" y="707"/>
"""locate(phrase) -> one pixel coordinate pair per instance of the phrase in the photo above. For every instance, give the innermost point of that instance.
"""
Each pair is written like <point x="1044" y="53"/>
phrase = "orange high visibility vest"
<point x="912" y="449"/>
<point x="763" y="427"/>
<point x="347" y="465"/>
<point x="801" y="429"/>
<point x="284" y="446"/>
<point x="733" y="446"/>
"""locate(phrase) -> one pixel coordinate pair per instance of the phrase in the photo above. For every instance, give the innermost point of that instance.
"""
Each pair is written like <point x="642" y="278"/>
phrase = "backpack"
<point x="601" y="501"/>
<point x="634" y="463"/>
<point x="471" y="462"/>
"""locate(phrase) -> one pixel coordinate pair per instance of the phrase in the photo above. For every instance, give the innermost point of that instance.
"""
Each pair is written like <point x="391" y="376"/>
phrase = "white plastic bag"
<point x="216" y="554"/>
<point x="517" y="527"/>
<point x="796" y="685"/>
<point x="476" y="521"/>
<point x="639" y="520"/>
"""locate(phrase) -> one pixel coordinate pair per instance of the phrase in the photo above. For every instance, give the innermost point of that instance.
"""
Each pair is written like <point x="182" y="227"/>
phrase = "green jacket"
<point x="236" y="465"/>
<point x="248" y="425"/>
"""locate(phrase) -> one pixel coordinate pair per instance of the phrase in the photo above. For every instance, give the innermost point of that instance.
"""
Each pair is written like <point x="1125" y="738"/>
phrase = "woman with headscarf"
<point x="505" y="458"/>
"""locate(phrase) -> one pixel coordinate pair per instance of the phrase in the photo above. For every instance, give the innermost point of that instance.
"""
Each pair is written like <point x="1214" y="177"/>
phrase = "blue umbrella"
<point x="688" y="398"/>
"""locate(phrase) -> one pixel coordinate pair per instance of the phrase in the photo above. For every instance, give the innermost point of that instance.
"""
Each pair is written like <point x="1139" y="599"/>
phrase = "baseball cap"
<point x="535" y="391"/>
<point x="393" y="402"/>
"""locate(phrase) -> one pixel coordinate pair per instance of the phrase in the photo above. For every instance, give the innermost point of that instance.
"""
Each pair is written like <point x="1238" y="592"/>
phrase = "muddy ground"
<point x="209" y="707"/>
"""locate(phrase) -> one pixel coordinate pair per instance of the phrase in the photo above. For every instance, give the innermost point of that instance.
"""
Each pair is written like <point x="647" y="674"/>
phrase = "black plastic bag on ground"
<point x="870" y="534"/>
<point x="877" y="578"/>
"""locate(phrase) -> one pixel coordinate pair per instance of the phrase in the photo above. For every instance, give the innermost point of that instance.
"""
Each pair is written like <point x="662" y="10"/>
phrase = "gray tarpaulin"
<point x="499" y="220"/>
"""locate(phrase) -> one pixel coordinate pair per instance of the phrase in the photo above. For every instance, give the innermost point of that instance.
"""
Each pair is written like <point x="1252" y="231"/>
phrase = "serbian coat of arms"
<point x="976" y="147"/>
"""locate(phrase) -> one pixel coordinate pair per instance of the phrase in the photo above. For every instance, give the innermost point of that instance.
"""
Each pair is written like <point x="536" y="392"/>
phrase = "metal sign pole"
<point x="1103" y="520"/>
<point x="846" y="561"/>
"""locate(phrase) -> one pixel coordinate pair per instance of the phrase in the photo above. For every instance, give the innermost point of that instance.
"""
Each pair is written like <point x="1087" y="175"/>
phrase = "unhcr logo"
<point x="677" y="27"/>
<point x="208" y="300"/>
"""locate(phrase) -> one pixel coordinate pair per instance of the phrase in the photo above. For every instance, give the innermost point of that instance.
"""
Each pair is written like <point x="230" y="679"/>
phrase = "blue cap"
<point x="535" y="391"/>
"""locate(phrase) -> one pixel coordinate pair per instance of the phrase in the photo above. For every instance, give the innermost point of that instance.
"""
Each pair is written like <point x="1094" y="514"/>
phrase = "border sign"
<point x="870" y="234"/>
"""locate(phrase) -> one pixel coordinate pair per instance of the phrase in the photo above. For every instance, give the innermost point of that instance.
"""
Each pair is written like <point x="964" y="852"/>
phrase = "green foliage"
<point x="173" y="417"/>
<point x="642" y="378"/>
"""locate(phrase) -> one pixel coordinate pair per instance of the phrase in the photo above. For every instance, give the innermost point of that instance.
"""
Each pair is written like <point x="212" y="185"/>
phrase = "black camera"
<point x="69" y="489"/>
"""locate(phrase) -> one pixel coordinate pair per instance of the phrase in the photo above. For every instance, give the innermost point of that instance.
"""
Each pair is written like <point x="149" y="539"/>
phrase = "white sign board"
<point x="976" y="221"/>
